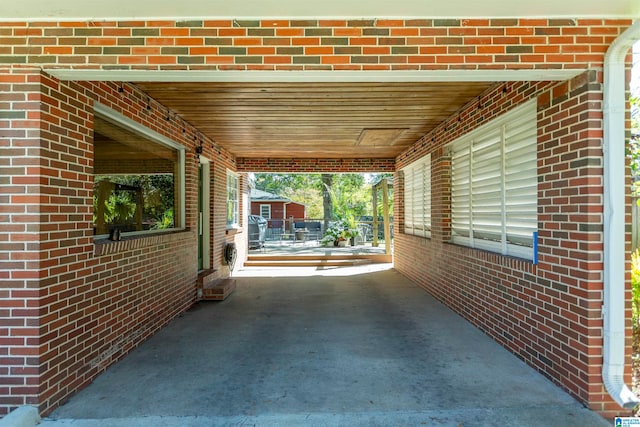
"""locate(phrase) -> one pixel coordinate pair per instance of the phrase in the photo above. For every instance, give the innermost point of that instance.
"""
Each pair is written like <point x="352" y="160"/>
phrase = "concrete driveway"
<point x="342" y="347"/>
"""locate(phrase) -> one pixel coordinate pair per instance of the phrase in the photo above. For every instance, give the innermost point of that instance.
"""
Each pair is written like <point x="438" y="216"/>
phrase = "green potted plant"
<point x="351" y="225"/>
<point x="332" y="234"/>
<point x="327" y="240"/>
<point x="345" y="237"/>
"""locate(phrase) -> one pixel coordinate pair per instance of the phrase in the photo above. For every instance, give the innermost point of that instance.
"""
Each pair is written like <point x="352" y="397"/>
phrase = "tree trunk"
<point x="327" y="205"/>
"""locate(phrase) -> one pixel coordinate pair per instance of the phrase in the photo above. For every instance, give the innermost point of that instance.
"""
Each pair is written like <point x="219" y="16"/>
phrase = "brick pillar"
<point x="441" y="195"/>
<point x="21" y="195"/>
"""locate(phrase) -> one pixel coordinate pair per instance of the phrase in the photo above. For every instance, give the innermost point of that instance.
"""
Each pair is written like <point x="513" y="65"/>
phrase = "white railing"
<point x="278" y="227"/>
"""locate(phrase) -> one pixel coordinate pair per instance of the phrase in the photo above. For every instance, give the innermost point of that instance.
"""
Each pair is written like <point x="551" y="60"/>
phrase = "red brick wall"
<point x="20" y="196"/>
<point x="337" y="44"/>
<point x="316" y="165"/>
<point x="71" y="306"/>
<point x="548" y="314"/>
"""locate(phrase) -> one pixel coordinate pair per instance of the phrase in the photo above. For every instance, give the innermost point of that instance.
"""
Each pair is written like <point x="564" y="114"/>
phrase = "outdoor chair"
<point x="275" y="226"/>
<point x="314" y="230"/>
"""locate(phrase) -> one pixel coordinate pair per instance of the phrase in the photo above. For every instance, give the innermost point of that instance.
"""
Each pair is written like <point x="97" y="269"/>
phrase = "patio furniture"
<point x="300" y="235"/>
<point x="315" y="230"/>
<point x="275" y="228"/>
<point x="287" y="237"/>
<point x="299" y="231"/>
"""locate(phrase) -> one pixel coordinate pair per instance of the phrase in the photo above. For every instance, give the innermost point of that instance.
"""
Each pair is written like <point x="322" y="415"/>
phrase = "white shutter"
<point x="408" y="201"/>
<point x="461" y="194"/>
<point x="417" y="197"/>
<point x="418" y="223"/>
<point x="521" y="179"/>
<point x="486" y="187"/>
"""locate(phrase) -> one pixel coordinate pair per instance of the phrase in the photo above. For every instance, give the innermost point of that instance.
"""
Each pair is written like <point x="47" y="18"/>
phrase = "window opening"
<point x="138" y="177"/>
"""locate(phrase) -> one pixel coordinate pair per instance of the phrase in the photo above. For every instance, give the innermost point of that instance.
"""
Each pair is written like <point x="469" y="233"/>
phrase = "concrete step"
<point x="307" y="263"/>
<point x="315" y="258"/>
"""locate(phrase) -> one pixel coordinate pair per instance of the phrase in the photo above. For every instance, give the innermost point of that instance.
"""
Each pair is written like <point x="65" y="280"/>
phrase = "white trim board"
<point x="314" y="76"/>
<point x="39" y="10"/>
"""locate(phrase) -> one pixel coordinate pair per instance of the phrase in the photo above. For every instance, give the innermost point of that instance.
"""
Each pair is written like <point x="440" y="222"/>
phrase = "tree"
<point x="327" y="196"/>
<point x="301" y="188"/>
<point x="327" y="204"/>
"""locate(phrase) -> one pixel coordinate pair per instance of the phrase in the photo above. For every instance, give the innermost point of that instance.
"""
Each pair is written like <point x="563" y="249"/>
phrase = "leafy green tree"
<point x="327" y="196"/>
<point x="301" y="188"/>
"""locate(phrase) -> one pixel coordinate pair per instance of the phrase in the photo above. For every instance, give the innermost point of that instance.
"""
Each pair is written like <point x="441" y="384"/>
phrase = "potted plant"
<point x="345" y="237"/>
<point x="327" y="240"/>
<point x="332" y="234"/>
<point x="353" y="233"/>
<point x="351" y="225"/>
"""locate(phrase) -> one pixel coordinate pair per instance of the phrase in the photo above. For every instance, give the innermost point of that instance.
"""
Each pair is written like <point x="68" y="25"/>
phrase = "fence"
<point x="277" y="227"/>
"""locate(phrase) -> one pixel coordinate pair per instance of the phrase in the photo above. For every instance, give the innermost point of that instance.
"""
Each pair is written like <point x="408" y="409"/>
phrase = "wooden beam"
<point x="374" y="194"/>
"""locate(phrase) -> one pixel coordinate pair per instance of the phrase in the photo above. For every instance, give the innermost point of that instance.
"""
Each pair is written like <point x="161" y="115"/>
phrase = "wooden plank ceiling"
<point x="314" y="120"/>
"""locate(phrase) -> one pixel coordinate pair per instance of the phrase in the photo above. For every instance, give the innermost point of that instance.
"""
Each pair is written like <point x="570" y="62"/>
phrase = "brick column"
<point x="21" y="212"/>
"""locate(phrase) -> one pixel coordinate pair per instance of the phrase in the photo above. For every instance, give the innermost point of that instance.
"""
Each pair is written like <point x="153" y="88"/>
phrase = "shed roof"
<point x="264" y="196"/>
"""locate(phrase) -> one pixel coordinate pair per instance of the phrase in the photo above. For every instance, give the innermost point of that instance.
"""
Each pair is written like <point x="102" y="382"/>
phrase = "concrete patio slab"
<point x="360" y="346"/>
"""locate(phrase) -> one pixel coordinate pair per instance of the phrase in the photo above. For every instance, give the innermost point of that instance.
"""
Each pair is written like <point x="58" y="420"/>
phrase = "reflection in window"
<point x="233" y="205"/>
<point x="133" y="202"/>
<point x="137" y="181"/>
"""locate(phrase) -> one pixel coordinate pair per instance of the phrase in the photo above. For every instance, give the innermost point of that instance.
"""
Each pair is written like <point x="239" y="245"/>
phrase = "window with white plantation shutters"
<point x="417" y="198"/>
<point x="233" y="200"/>
<point x="494" y="200"/>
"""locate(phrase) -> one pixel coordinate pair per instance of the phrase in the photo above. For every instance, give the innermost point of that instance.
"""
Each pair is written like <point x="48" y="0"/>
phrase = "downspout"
<point x="614" y="217"/>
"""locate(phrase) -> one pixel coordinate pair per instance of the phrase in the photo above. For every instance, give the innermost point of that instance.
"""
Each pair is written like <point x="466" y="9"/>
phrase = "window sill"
<point x="421" y="236"/>
<point x="104" y="246"/>
<point x="233" y="230"/>
<point x="488" y="253"/>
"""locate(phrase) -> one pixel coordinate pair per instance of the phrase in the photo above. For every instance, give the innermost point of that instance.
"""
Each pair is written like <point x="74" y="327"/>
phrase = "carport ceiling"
<point x="314" y="120"/>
